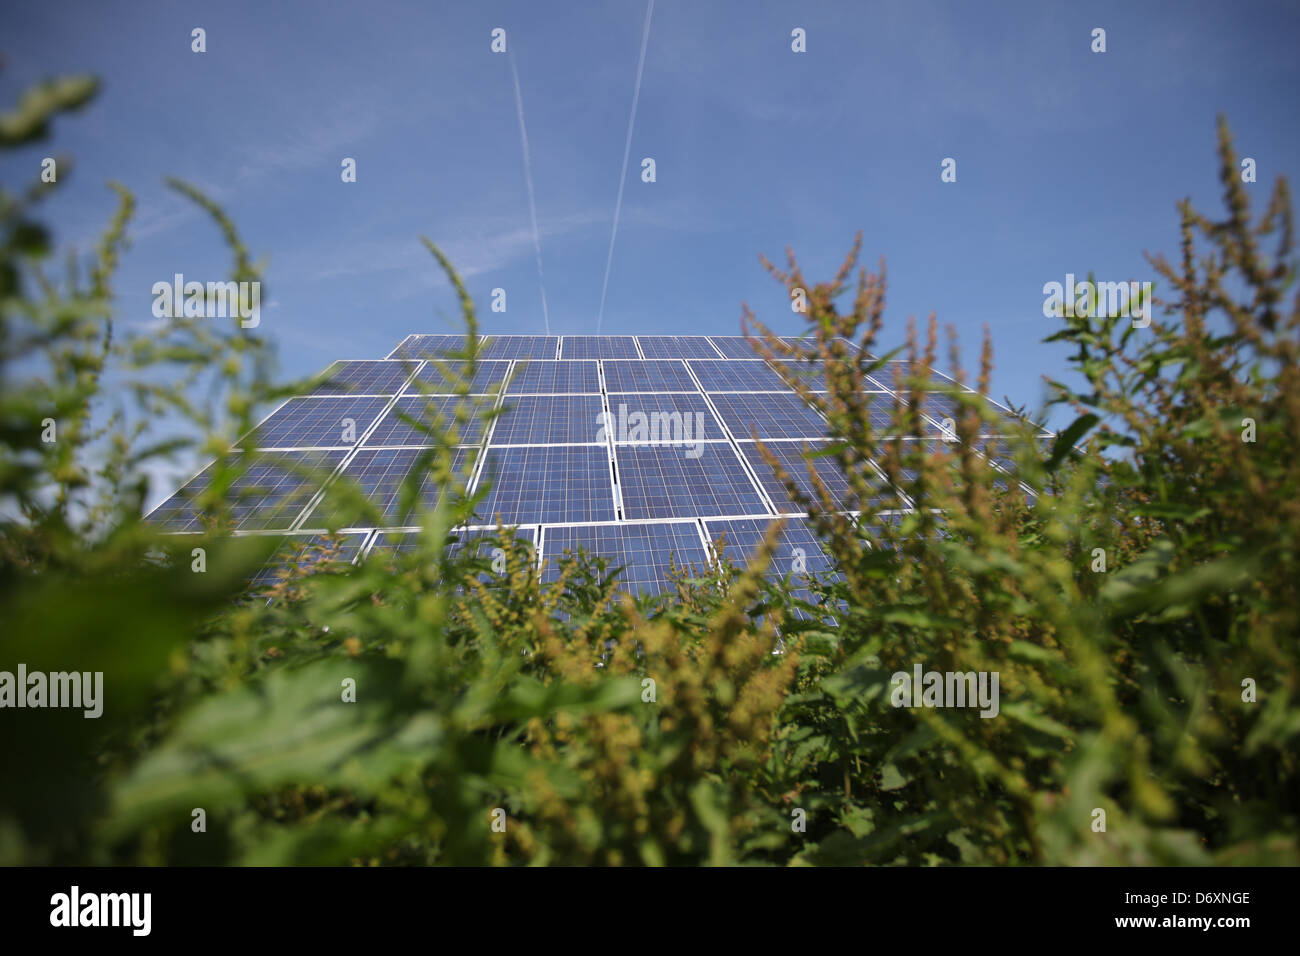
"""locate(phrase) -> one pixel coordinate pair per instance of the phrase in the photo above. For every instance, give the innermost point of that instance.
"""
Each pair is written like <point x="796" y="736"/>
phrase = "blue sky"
<point x="1067" y="161"/>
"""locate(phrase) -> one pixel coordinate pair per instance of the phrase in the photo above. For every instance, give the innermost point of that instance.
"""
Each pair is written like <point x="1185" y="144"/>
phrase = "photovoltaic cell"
<point x="791" y="456"/>
<point x="406" y="542"/>
<point x="548" y="420"/>
<point x="486" y="540"/>
<point x="812" y="374"/>
<point x="779" y="415"/>
<point x="887" y="376"/>
<point x="646" y="552"/>
<point x="880" y="413"/>
<point x="438" y="412"/>
<point x="797" y="544"/>
<point x="894" y="374"/>
<point x="939" y="406"/>
<point x="798" y="555"/>
<point x="268" y="496"/>
<point x="668" y="417"/>
<point x="445" y="378"/>
<point x="300" y="555"/>
<point x="391" y="546"/>
<point x="598" y="347"/>
<point x="660" y="376"/>
<point x="316" y="422"/>
<point x="670" y="483"/>
<point x="912" y="447"/>
<point x="380" y="474"/>
<point x="718" y="375"/>
<point x="804" y="343"/>
<point x="364" y="377"/>
<point x="676" y="346"/>
<point x="549" y="483"/>
<point x="430" y="346"/>
<point x="734" y="346"/>
<point x="996" y="450"/>
<point x="562" y="377"/>
<point x="520" y="347"/>
<point x="808" y="344"/>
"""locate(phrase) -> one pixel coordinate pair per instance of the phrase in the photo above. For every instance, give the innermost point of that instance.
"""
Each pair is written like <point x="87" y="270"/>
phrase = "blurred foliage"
<point x="424" y="706"/>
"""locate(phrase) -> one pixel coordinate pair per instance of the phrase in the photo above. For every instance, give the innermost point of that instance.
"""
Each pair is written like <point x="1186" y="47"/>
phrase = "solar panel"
<point x="437" y="412"/>
<point x="381" y="474"/>
<point x="406" y="542"/>
<point x="392" y="546"/>
<point x="910" y="447"/>
<point x="995" y="449"/>
<point x="791" y="456"/>
<point x="676" y="346"/>
<point x="645" y="552"/>
<point x="992" y="447"/>
<point x="316" y="422"/>
<point x="940" y="406"/>
<point x="674" y="418"/>
<point x="486" y="541"/>
<point x="880" y="414"/>
<point x="808" y="344"/>
<point x="520" y="347"/>
<point x="779" y="415"/>
<point x="798" y="555"/>
<point x="894" y="374"/>
<point x="734" y="346"/>
<point x="268" y="496"/>
<point x="303" y="554"/>
<point x="676" y="412"/>
<point x="660" y="376"/>
<point x="547" y="483"/>
<point x="548" y="420"/>
<point x="798" y="550"/>
<point x="430" y="346"/>
<point x="598" y="347"/>
<point x="445" y="378"/>
<point x="674" y="483"/>
<point x="556" y="378"/>
<point x="812" y="374"/>
<point x="720" y="375"/>
<point x="364" y="377"/>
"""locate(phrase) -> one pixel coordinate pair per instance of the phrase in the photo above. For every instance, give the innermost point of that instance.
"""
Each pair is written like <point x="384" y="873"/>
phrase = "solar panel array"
<point x="640" y="449"/>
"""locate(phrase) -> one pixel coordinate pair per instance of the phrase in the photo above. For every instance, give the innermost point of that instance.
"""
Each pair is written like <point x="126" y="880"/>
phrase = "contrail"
<point x="627" y="148"/>
<point x="528" y="178"/>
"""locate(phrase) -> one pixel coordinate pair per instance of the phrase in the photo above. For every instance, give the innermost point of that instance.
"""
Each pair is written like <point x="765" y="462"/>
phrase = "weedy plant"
<point x="425" y="706"/>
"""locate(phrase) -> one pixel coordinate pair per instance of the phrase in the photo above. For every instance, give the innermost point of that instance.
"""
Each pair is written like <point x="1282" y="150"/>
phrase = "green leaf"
<point x="1066" y="441"/>
<point x="30" y="121"/>
<point x="292" y="727"/>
